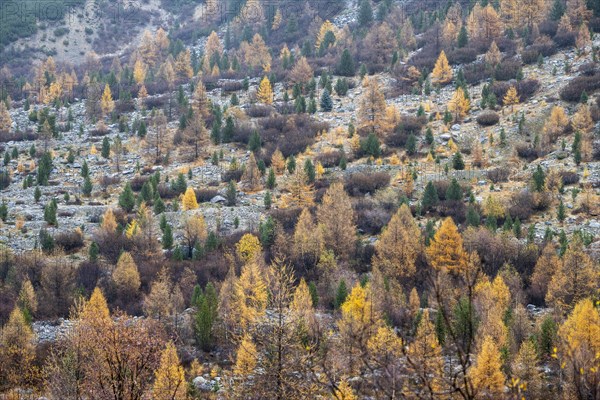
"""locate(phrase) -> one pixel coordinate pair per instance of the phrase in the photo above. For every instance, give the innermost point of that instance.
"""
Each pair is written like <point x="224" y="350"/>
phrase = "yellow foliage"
<point x="169" y="382"/>
<point x="511" y="98"/>
<point x="445" y="251"/>
<point x="265" y="92"/>
<point x="107" y="104"/>
<point x="248" y="248"/>
<point x="245" y="360"/>
<point x="250" y="295"/>
<point x="189" y="201"/>
<point x="459" y="105"/>
<point x="126" y="276"/>
<point x="442" y="73"/>
<point x="493" y="207"/>
<point x="132" y="229"/>
<point x="486" y="375"/>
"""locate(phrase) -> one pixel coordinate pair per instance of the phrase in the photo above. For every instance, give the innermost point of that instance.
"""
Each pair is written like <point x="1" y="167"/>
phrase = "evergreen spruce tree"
<point x="430" y="196"/>
<point x="206" y="317"/>
<point x="309" y="169"/>
<point x="291" y="164"/>
<point x="267" y="200"/>
<point x="346" y="65"/>
<point x="454" y="191"/>
<point x="411" y="144"/>
<point x="167" y="237"/>
<point x="561" y="213"/>
<point x="37" y="193"/>
<point x="85" y="170"/>
<point x="457" y="161"/>
<point x="105" y="147"/>
<point x="87" y="186"/>
<point x="326" y="102"/>
<point x="463" y="37"/>
<point x="271" y="179"/>
<point x="473" y="218"/>
<point x="126" y="198"/>
<point x="340" y="294"/>
<point x="50" y="213"/>
<point x="254" y="143"/>
<point x="231" y="194"/>
<point x="365" y="13"/>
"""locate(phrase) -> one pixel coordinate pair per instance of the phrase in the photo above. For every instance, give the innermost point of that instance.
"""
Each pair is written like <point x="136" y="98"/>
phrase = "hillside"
<point x="300" y="200"/>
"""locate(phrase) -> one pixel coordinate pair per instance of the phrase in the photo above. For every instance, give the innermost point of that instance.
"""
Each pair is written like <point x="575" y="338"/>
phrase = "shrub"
<point x="286" y="217"/>
<point x="155" y="102"/>
<point x="366" y="182"/>
<point x="205" y="195"/>
<point x="462" y="55"/>
<point x="529" y="56"/>
<point x="69" y="241"/>
<point x="441" y="187"/>
<point x="507" y="70"/>
<point x="137" y="182"/>
<point x="499" y="174"/>
<point x="565" y="39"/>
<point x="259" y="110"/>
<point x="476" y="72"/>
<point x="572" y="90"/>
<point x="330" y="158"/>
<point x="488" y="118"/>
<point x="569" y="177"/>
<point x="521" y="205"/>
<point x="526" y="151"/>
<point x="370" y="216"/>
<point x="231" y="86"/>
<point x="525" y="89"/>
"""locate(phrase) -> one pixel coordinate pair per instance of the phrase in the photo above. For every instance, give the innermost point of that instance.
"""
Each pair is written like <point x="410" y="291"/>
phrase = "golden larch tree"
<point x="459" y="104"/>
<point x="245" y="360"/>
<point x="248" y="248"/>
<point x="511" y="98"/>
<point x="371" y="107"/>
<point x="493" y="55"/>
<point x="17" y="351"/>
<point x="139" y="71"/>
<point x="169" y="379"/>
<point x="307" y="240"/>
<point x="336" y="215"/>
<point x="107" y="103"/>
<point x="424" y="356"/>
<point x="5" y="119"/>
<point x="525" y="369"/>
<point x="442" y="73"/>
<point x="126" y="277"/>
<point x="582" y="120"/>
<point x="250" y="294"/>
<point x="183" y="65"/>
<point x="147" y="48"/>
<point x="302" y="71"/>
<point x="445" y="251"/>
<point x="278" y="162"/>
<point x="579" y="350"/>
<point x="397" y="249"/>
<point x="556" y="124"/>
<point x="213" y="46"/>
<point x="545" y="267"/>
<point x="189" y="202"/>
<point x="486" y="375"/>
<point x="327" y="26"/>
<point x="264" y="93"/>
<point x="576" y="278"/>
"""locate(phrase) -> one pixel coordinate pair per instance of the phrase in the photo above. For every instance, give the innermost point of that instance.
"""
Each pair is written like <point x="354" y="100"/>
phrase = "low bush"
<point x="488" y="118"/>
<point x="330" y="158"/>
<point x="569" y="177"/>
<point x="521" y="205"/>
<point x="231" y="86"/>
<point x="361" y="183"/>
<point x="462" y="55"/>
<point x="205" y="195"/>
<point x="259" y="111"/>
<point x="69" y="241"/>
<point x="507" y="70"/>
<point x="573" y="89"/>
<point x="499" y="174"/>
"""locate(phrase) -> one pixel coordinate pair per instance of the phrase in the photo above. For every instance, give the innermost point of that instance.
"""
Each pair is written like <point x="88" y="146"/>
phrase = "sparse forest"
<point x="300" y="200"/>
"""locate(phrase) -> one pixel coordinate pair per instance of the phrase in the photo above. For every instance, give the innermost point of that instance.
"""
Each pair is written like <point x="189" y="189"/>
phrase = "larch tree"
<point x="545" y="267"/>
<point x="107" y="102"/>
<point x="126" y="277"/>
<point x="371" y="108"/>
<point x="459" y="104"/>
<point x="278" y="162"/>
<point x="251" y="296"/>
<point x="17" y="352"/>
<point x="147" y="48"/>
<point x="251" y="178"/>
<point x="556" y="124"/>
<point x="157" y="136"/>
<point x="445" y="251"/>
<point x="5" y="119"/>
<point x="165" y="299"/>
<point x="307" y="240"/>
<point x="139" y="71"/>
<point x="246" y="357"/>
<point x="358" y="323"/>
<point x="578" y="12"/>
<point x="511" y="98"/>
<point x="213" y="46"/>
<point x="327" y="26"/>
<point x="398" y="246"/>
<point x="486" y="375"/>
<point x="183" y="65"/>
<point x="189" y="202"/>
<point x="442" y="73"/>
<point x="302" y="71"/>
<point x="27" y="300"/>
<point x="424" y="356"/>
<point x="300" y="192"/>
<point x="248" y="248"/>
<point x="201" y="104"/>
<point x="264" y="93"/>
<point x="169" y="378"/>
<point x="576" y="278"/>
<point x="579" y="351"/>
<point x="493" y="55"/>
<point x="582" y="120"/>
<point x="194" y="231"/>
<point x="336" y="215"/>
<point x="525" y="369"/>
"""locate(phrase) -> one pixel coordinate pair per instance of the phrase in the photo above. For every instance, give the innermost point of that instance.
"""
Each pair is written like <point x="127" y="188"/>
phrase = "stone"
<point x="218" y="199"/>
<point x="455" y="127"/>
<point x="202" y="384"/>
